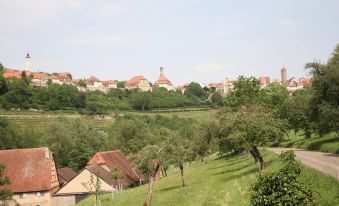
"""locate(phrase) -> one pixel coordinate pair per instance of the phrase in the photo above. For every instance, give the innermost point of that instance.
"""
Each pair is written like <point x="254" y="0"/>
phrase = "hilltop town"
<point x="43" y="79"/>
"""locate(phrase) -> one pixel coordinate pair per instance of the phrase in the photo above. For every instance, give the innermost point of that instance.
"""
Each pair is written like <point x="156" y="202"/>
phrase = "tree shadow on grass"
<point x="225" y="165"/>
<point x="169" y="188"/>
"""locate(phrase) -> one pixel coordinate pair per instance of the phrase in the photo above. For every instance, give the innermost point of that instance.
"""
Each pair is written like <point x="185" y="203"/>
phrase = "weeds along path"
<point x="324" y="162"/>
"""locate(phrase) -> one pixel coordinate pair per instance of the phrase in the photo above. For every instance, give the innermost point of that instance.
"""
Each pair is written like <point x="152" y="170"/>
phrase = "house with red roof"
<point x="139" y="82"/>
<point x="65" y="175"/>
<point x="163" y="81"/>
<point x="100" y="166"/>
<point x="32" y="174"/>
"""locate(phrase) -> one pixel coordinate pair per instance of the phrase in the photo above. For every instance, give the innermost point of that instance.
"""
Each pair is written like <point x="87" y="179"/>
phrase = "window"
<point x="23" y="195"/>
<point x="39" y="194"/>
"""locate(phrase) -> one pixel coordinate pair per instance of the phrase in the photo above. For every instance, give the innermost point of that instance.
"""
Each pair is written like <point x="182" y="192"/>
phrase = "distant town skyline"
<point x="194" y="40"/>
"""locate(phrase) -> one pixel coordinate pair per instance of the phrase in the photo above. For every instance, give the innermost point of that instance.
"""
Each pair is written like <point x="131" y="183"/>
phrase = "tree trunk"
<point x="206" y="159"/>
<point x="182" y="175"/>
<point x="165" y="170"/>
<point x="257" y="156"/>
<point x="150" y="191"/>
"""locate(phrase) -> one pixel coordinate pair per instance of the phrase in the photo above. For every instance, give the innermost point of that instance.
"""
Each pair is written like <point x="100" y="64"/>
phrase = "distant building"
<point x="32" y="174"/>
<point x="164" y="82"/>
<point x="139" y="82"/>
<point x="12" y="73"/>
<point x="264" y="81"/>
<point x="284" y="75"/>
<point x="182" y="87"/>
<point x="28" y="65"/>
<point x="217" y="86"/>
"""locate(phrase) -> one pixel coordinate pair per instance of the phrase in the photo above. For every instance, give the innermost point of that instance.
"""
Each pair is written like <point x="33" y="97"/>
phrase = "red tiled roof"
<point x="135" y="80"/>
<point x="12" y="73"/>
<point x="39" y="75"/>
<point x="103" y="174"/>
<point x="162" y="80"/>
<point x="115" y="159"/>
<point x="28" y="169"/>
<point x="108" y="82"/>
<point x="217" y="84"/>
<point x="65" y="174"/>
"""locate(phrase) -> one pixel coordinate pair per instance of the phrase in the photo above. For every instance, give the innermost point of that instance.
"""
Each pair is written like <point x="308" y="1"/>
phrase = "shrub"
<point x="282" y="187"/>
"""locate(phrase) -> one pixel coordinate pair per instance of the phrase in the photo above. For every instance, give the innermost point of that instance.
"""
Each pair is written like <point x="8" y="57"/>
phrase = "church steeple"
<point x="28" y="65"/>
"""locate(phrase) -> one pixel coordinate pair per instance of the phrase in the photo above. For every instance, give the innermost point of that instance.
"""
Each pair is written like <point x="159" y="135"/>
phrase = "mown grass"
<point x="223" y="181"/>
<point x="327" y="143"/>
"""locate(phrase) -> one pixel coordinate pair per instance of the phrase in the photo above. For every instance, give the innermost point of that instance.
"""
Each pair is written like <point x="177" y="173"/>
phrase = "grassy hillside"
<point x="43" y="120"/>
<point x="327" y="143"/>
<point x="223" y="181"/>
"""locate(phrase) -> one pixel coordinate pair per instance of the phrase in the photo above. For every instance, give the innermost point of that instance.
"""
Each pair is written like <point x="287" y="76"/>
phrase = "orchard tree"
<point x="249" y="128"/>
<point x="217" y="99"/>
<point x="5" y="194"/>
<point x="325" y="102"/>
<point x="245" y="92"/>
<point x="147" y="163"/>
<point x="296" y="110"/>
<point x="274" y="95"/>
<point x="131" y="135"/>
<point x="203" y="142"/>
<point x="179" y="151"/>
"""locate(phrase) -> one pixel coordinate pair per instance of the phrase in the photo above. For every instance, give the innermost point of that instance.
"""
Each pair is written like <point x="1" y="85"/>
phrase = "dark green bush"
<point x="282" y="187"/>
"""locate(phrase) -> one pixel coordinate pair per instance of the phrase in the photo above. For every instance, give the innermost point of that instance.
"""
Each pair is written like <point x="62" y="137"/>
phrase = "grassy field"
<point x="200" y="115"/>
<point x="43" y="120"/>
<point x="224" y="181"/>
<point x="327" y="143"/>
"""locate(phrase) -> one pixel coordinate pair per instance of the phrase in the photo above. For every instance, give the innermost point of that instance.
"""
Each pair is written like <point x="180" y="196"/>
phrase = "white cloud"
<point x="288" y="23"/>
<point x="100" y="40"/>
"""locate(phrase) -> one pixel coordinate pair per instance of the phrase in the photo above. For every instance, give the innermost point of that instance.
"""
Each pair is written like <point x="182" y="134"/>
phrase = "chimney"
<point x="46" y="153"/>
<point x="161" y="71"/>
<point x="283" y="76"/>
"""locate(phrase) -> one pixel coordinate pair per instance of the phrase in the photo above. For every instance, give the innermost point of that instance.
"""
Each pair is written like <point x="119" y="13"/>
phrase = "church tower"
<point x="284" y="75"/>
<point x="28" y="64"/>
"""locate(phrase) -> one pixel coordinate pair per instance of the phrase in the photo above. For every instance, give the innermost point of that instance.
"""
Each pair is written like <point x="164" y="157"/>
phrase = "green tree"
<point x="282" y="187"/>
<point x="249" y="128"/>
<point x="121" y="84"/>
<point x="5" y="194"/>
<point x="141" y="100"/>
<point x="8" y="138"/>
<point x="274" y="95"/>
<point x="147" y="163"/>
<point x="195" y="90"/>
<point x="3" y="83"/>
<point x="178" y="151"/>
<point x="296" y="110"/>
<point x="217" y="99"/>
<point x="245" y="92"/>
<point x="205" y="137"/>
<point x="82" y="83"/>
<point x="325" y="102"/>
<point x="131" y="135"/>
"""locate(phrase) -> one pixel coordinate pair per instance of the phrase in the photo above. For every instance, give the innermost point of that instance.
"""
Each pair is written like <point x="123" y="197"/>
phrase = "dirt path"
<point x="325" y="162"/>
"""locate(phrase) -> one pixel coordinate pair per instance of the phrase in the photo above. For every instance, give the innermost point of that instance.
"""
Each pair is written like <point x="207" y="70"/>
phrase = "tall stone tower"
<point x="161" y="71"/>
<point x="284" y="75"/>
<point x="28" y="64"/>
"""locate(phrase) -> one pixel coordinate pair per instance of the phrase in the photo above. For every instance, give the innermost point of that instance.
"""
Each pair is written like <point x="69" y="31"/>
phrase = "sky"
<point x="194" y="40"/>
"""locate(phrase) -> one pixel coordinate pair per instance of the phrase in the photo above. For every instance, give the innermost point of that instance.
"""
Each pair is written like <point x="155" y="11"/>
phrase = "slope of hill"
<point x="223" y="181"/>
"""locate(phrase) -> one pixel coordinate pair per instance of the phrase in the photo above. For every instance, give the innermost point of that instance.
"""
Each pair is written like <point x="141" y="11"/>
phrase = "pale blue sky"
<point x="194" y="40"/>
